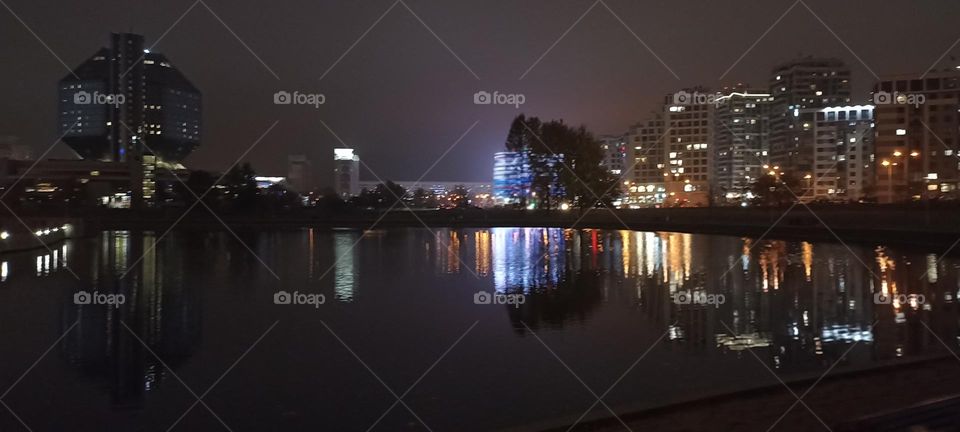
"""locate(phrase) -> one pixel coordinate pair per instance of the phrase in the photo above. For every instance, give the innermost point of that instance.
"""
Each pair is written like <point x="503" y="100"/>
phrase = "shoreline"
<point x="599" y="419"/>
<point x="902" y="226"/>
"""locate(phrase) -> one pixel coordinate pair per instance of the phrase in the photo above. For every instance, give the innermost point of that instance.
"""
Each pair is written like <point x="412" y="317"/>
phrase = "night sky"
<point x="402" y="99"/>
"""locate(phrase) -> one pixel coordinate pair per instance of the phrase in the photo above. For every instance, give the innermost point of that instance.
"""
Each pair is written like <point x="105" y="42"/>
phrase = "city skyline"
<point x="425" y="98"/>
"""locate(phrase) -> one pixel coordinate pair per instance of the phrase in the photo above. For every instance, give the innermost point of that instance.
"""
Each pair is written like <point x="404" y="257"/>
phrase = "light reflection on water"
<point x="798" y="305"/>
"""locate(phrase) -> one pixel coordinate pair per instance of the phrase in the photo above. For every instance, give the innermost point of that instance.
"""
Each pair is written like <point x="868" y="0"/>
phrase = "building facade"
<point x="800" y="84"/>
<point x="300" y="174"/>
<point x="511" y="178"/>
<point x="741" y="143"/>
<point x="346" y="172"/>
<point x="917" y="134"/>
<point x="843" y="140"/>
<point x="688" y="143"/>
<point x="614" y="150"/>
<point x="646" y="187"/>
<point x="125" y="100"/>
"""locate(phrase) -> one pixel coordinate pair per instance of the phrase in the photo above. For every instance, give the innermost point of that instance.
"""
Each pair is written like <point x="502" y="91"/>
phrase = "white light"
<point x="38" y="233"/>
<point x="46" y="231"/>
<point x="343" y="154"/>
<point x="901" y="132"/>
<point x="4" y="235"/>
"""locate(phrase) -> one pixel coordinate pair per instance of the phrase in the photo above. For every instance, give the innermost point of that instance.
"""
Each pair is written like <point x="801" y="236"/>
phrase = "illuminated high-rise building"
<point x="511" y="178"/>
<point x="346" y="172"/>
<point x="688" y="144"/>
<point x="843" y="140"/>
<point x="128" y="105"/>
<point x="124" y="98"/>
<point x="740" y="142"/>
<point x="800" y="84"/>
<point x="646" y="164"/>
<point x="917" y="133"/>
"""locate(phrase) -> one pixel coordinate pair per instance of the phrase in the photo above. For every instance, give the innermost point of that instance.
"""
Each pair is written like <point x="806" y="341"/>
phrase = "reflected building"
<point x="160" y="308"/>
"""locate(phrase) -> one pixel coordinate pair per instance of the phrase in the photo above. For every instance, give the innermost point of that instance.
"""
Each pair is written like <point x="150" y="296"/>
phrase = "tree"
<point x="564" y="163"/>
<point x="197" y="184"/>
<point x="423" y="198"/>
<point x="241" y="186"/>
<point x="775" y="191"/>
<point x="460" y="196"/>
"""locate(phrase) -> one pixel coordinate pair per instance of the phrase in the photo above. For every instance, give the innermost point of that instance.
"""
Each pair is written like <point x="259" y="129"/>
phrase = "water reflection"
<point x="162" y="311"/>
<point x="801" y="303"/>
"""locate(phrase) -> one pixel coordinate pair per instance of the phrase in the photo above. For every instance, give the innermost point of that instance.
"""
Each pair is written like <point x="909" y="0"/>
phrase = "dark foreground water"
<point x="199" y="320"/>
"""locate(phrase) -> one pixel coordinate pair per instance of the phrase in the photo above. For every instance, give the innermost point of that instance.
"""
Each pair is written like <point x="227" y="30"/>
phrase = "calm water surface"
<point x="400" y="318"/>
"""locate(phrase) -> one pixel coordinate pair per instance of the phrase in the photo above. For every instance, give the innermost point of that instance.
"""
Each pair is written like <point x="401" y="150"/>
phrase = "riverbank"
<point x="919" y="226"/>
<point x="937" y="227"/>
<point x="843" y="401"/>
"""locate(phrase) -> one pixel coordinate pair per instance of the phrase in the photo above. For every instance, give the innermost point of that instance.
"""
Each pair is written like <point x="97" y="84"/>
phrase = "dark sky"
<point x="402" y="99"/>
